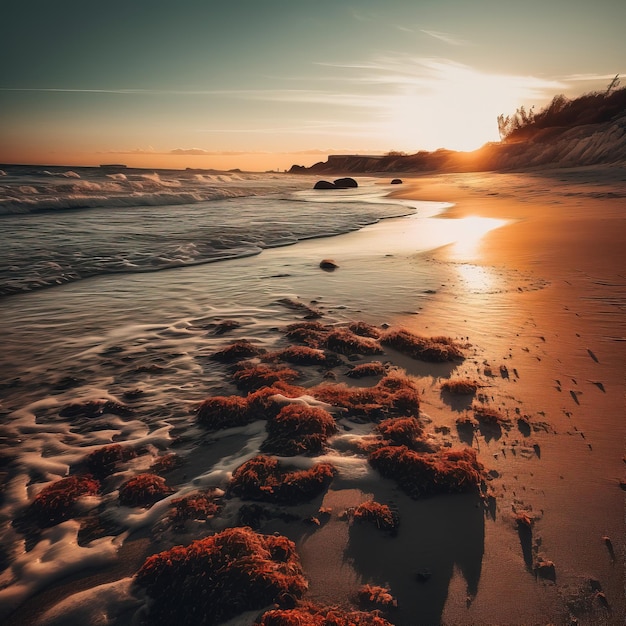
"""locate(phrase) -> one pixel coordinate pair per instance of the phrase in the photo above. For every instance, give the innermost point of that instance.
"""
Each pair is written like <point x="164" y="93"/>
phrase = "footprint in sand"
<point x="592" y="355"/>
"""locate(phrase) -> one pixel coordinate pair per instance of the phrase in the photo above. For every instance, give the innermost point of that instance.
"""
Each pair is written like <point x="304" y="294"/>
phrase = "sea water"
<point x="113" y="283"/>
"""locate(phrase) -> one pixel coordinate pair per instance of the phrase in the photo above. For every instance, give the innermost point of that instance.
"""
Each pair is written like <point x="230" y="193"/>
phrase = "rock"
<point x="345" y="183"/>
<point x="328" y="264"/>
<point x="396" y="181"/>
<point x="324" y="184"/>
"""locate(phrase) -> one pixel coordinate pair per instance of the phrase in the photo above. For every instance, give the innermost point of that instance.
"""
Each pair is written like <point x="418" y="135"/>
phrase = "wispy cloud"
<point x="572" y="78"/>
<point x="445" y="37"/>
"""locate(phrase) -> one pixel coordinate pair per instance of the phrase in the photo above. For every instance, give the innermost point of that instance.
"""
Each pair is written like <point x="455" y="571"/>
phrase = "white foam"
<point x="56" y="555"/>
<point x="98" y="606"/>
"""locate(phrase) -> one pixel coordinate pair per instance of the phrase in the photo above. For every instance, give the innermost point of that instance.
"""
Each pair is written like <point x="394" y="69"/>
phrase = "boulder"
<point x="345" y="183"/>
<point x="396" y="181"/>
<point x="324" y="184"/>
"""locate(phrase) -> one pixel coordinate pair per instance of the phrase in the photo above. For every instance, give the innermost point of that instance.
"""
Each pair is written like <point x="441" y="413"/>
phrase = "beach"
<point x="524" y="271"/>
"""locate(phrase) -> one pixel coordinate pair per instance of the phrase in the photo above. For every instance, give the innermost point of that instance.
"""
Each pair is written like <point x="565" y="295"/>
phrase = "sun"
<point x="423" y="123"/>
<point x="458" y="110"/>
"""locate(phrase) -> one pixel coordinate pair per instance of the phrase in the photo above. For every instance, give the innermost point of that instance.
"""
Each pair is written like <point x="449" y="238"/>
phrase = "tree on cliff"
<point x="591" y="108"/>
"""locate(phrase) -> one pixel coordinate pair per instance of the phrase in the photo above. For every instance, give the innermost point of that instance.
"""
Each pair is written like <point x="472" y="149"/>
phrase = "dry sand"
<point x="561" y="350"/>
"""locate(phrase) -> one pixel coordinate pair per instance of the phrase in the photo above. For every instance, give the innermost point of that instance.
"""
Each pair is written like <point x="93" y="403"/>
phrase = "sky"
<point x="264" y="85"/>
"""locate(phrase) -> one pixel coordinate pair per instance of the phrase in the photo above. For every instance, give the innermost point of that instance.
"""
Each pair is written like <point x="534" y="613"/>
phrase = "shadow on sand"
<point x="436" y="536"/>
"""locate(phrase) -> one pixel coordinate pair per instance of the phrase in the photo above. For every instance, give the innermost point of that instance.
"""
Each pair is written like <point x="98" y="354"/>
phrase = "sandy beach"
<point x="555" y="353"/>
<point x="534" y="289"/>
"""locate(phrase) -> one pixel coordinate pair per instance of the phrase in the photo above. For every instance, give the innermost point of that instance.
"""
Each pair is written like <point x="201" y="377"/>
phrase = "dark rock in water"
<point x="324" y="184"/>
<point x="396" y="181"/>
<point x="345" y="183"/>
<point x="328" y="264"/>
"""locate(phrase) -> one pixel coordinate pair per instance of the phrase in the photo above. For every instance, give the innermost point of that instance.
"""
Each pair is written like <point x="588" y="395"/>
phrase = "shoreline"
<point x="521" y="305"/>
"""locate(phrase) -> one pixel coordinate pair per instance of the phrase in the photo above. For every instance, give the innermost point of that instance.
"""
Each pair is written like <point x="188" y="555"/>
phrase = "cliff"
<point x="553" y="147"/>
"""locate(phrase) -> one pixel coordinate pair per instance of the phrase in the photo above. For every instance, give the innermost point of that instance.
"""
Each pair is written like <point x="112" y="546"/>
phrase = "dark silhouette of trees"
<point x="562" y="113"/>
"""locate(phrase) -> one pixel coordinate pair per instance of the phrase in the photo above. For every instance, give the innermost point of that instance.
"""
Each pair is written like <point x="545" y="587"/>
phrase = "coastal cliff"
<point x="589" y="144"/>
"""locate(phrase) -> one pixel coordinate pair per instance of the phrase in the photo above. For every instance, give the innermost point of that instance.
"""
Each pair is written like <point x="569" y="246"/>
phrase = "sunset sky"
<point x="263" y="85"/>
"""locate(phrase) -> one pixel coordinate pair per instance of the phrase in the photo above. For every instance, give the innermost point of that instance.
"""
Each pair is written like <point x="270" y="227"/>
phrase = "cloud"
<point x="445" y="37"/>
<point x="589" y="77"/>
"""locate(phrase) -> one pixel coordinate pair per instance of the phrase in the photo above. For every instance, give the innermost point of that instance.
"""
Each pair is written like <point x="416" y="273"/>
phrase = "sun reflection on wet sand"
<point x="469" y="232"/>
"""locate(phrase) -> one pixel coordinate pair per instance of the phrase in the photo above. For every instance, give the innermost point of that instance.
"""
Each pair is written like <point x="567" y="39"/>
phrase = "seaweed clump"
<point x="364" y="329"/>
<point x="262" y="478"/>
<point x="313" y="615"/>
<point x="106" y="460"/>
<point x="195" y="506"/>
<point x="344" y="341"/>
<point x="216" y="578"/>
<point x="402" y="431"/>
<point x="380" y="515"/>
<point x="298" y="429"/>
<point x="431" y="349"/>
<point x="310" y="334"/>
<point x="374" y="368"/>
<point x="237" y="351"/>
<point x="460" y="386"/>
<point x="55" y="502"/>
<point x="375" y="596"/>
<point x="302" y="355"/>
<point x="252" y="377"/>
<point x="144" y="490"/>
<point x="420" y="475"/>
<point x="393" y="396"/>
<point x="217" y="412"/>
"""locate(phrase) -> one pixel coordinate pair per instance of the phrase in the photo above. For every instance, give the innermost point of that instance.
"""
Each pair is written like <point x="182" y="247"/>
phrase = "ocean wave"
<point x="174" y="226"/>
<point x="29" y="190"/>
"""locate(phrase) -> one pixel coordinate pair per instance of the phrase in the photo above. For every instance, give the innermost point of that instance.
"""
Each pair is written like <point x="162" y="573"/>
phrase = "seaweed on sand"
<point x="55" y="502"/>
<point x="489" y="416"/>
<point x="249" y="377"/>
<point x="432" y="349"/>
<point x="460" y="386"/>
<point x="143" y="490"/>
<point x="301" y="355"/>
<point x="106" y="460"/>
<point x="364" y="329"/>
<point x="393" y="396"/>
<point x="402" y="431"/>
<point x="420" y="474"/>
<point x="298" y="429"/>
<point x="223" y="412"/>
<point x="380" y="515"/>
<point x="313" y="615"/>
<point x="200" y="505"/>
<point x="311" y="334"/>
<point x="218" y="577"/>
<point x="237" y="351"/>
<point x="344" y="341"/>
<point x="374" y="596"/>
<point x="217" y="412"/>
<point x="373" y="368"/>
<point x="262" y="478"/>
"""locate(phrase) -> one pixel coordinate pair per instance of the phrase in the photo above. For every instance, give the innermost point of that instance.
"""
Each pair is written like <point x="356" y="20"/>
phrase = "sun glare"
<point x="455" y="108"/>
